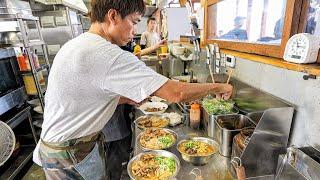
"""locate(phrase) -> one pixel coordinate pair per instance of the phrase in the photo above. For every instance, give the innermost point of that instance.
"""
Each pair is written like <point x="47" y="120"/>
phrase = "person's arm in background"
<point x="151" y="49"/>
<point x="174" y="91"/>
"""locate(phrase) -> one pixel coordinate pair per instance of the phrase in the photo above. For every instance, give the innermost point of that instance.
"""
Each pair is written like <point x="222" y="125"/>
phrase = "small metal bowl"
<point x="199" y="160"/>
<point x="167" y="130"/>
<point x="142" y="118"/>
<point x="157" y="152"/>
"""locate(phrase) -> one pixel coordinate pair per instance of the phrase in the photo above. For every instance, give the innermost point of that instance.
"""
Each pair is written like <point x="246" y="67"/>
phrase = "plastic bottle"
<point x="26" y="60"/>
<point x="35" y="59"/>
<point x="22" y="62"/>
<point x="195" y="116"/>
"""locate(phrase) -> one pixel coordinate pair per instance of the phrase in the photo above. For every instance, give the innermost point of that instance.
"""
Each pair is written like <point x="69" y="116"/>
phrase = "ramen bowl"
<point x="158" y="153"/>
<point x="198" y="160"/>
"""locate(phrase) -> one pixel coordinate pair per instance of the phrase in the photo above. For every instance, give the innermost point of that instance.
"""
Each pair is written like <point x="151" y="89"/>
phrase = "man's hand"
<point x="161" y="43"/>
<point x="224" y="92"/>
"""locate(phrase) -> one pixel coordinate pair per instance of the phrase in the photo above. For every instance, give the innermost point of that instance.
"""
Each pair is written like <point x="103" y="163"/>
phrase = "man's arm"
<point x="174" y="91"/>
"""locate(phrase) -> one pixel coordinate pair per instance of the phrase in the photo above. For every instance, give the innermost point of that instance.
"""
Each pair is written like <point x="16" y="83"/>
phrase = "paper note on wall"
<point x="178" y="23"/>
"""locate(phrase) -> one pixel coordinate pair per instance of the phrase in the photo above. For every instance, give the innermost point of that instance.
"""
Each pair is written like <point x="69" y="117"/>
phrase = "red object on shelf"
<point x="22" y="63"/>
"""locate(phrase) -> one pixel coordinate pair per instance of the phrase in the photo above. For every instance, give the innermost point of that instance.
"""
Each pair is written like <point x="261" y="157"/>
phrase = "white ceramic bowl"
<point x="34" y="102"/>
<point x="146" y="105"/>
<point x="38" y="109"/>
<point x="178" y="50"/>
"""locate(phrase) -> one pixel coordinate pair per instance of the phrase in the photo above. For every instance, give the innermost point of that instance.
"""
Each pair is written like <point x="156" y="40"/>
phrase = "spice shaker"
<point x="195" y="116"/>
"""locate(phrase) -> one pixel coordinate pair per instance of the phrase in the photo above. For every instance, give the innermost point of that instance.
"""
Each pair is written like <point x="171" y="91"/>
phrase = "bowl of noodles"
<point x="153" y="165"/>
<point x="153" y="107"/>
<point x="156" y="139"/>
<point x="152" y="121"/>
<point x="197" y="150"/>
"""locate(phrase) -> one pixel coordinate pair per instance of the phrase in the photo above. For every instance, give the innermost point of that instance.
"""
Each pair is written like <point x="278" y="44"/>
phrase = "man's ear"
<point x="112" y="16"/>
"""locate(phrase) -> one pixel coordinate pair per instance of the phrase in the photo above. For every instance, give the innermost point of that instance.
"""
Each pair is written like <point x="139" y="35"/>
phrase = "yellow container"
<point x="137" y="50"/>
<point x="164" y="49"/>
<point x="30" y="84"/>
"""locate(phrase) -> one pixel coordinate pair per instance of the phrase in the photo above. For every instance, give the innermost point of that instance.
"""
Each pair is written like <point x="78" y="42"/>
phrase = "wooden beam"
<point x="313" y="69"/>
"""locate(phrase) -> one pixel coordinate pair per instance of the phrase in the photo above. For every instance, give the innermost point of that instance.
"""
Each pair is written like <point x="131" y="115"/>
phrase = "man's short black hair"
<point x="99" y="8"/>
<point x="151" y="19"/>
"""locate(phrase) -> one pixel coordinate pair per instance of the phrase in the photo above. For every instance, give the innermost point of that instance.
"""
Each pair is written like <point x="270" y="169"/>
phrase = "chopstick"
<point x="230" y="73"/>
<point x="211" y="73"/>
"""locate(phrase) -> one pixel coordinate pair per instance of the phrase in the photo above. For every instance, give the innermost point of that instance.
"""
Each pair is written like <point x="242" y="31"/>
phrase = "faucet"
<point x="196" y="51"/>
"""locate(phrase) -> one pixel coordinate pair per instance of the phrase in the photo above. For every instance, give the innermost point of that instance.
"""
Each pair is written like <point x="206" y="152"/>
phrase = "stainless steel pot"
<point x="227" y="126"/>
<point x="198" y="160"/>
<point x="10" y="38"/>
<point x="209" y="122"/>
<point x="172" y="67"/>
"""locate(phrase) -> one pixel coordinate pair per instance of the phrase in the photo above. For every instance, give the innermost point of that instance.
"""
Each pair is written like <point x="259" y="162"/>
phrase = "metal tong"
<point x="236" y="162"/>
<point x="198" y="175"/>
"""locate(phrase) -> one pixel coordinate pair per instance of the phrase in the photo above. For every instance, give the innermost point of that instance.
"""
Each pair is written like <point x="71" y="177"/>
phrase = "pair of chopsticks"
<point x="229" y="77"/>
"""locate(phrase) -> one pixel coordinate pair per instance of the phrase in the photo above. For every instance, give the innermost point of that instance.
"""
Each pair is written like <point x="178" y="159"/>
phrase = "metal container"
<point x="10" y="37"/>
<point x="167" y="130"/>
<point x="299" y="164"/>
<point x="198" y="160"/>
<point x="157" y="152"/>
<point x="209" y="122"/>
<point x="227" y="126"/>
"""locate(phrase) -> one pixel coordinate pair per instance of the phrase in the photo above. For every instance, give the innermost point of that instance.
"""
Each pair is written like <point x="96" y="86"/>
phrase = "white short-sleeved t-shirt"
<point x="149" y="38"/>
<point x="87" y="78"/>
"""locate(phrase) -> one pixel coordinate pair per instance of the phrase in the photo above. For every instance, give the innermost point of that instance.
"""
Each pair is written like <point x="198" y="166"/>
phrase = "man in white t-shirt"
<point x="150" y="40"/>
<point x="90" y="76"/>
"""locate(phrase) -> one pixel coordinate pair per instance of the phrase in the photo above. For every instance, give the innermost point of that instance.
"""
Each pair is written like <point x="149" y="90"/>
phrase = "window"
<point x="254" y="21"/>
<point x="312" y="24"/>
<point x="253" y="26"/>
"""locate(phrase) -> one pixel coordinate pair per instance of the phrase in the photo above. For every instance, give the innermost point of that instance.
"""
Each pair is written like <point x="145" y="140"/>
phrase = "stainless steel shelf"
<point x="19" y="117"/>
<point x="43" y="67"/>
<point x="30" y="44"/>
<point x="18" y="163"/>
<point x="18" y="16"/>
<point x="36" y="43"/>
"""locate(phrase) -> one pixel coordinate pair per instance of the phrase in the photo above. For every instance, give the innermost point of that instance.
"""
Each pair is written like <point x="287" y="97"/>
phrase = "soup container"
<point x="209" y="122"/>
<point x="199" y="160"/>
<point x="227" y="126"/>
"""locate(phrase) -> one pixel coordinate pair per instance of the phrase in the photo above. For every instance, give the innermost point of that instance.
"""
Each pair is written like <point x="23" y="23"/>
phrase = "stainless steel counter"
<point x="217" y="168"/>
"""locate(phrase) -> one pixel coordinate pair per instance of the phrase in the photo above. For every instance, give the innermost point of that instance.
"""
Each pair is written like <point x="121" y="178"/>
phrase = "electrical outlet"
<point x="230" y="61"/>
<point x="217" y="70"/>
<point x="217" y="62"/>
<point x="223" y="62"/>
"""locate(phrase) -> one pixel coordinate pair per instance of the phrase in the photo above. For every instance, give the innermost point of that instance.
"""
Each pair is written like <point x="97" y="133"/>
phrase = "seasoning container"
<point x="137" y="51"/>
<point x="195" y="116"/>
<point x="30" y="84"/>
<point x="22" y="63"/>
<point x="35" y="59"/>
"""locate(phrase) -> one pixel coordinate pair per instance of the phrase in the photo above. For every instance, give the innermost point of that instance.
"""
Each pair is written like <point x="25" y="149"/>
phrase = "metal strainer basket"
<point x="7" y="142"/>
